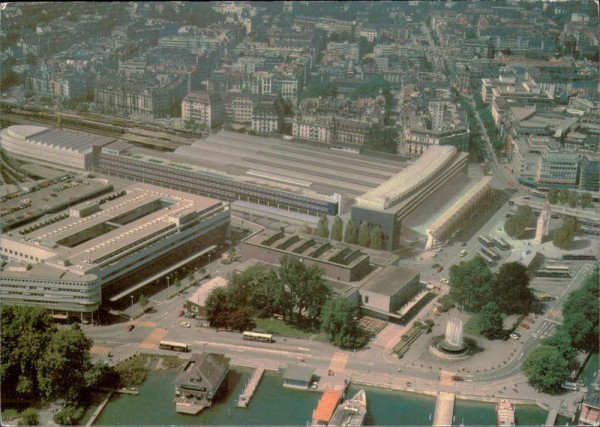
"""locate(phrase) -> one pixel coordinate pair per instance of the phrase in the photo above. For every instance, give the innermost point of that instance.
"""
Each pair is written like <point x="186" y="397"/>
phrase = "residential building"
<point x="267" y="118"/>
<point x="202" y="107"/>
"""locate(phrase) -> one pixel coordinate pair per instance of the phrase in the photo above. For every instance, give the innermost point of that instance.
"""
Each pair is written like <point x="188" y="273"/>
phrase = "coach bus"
<point x="255" y="336"/>
<point x="491" y="253"/>
<point x="580" y="257"/>
<point x="554" y="271"/>
<point x="485" y="241"/>
<point x="500" y="243"/>
<point x="173" y="346"/>
<point x="487" y="259"/>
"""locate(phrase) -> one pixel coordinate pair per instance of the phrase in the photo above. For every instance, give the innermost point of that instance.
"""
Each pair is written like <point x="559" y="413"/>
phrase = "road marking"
<point x="98" y="349"/>
<point x="303" y="348"/>
<point x="521" y="355"/>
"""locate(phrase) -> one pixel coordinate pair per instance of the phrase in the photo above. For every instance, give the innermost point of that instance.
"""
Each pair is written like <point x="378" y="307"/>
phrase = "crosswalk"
<point x="100" y="350"/>
<point x="555" y="314"/>
<point x="145" y="324"/>
<point x="153" y="338"/>
<point x="338" y="362"/>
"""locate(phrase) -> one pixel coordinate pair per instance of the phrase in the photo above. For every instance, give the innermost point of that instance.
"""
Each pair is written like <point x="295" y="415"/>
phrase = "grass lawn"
<point x="470" y="327"/>
<point x="279" y="327"/>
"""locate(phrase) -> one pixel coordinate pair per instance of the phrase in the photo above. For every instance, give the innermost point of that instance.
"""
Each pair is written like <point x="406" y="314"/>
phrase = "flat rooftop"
<point x="58" y="138"/>
<point x="86" y="234"/>
<point x="272" y="161"/>
<point x="387" y="281"/>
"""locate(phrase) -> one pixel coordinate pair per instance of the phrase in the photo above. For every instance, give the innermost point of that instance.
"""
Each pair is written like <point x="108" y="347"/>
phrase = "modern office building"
<point x="589" y="179"/>
<point x="558" y="168"/>
<point x="393" y="200"/>
<point x="83" y="251"/>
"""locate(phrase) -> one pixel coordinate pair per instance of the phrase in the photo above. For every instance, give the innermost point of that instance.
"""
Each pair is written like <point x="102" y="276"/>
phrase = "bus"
<point x="173" y="346"/>
<point x="491" y="253"/>
<point x="579" y="257"/>
<point x="500" y="243"/>
<point x="255" y="336"/>
<point x="554" y="271"/>
<point x="485" y="241"/>
<point x="490" y="262"/>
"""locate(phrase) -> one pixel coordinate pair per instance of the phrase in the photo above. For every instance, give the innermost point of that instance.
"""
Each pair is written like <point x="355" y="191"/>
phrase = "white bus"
<point x="255" y="336"/>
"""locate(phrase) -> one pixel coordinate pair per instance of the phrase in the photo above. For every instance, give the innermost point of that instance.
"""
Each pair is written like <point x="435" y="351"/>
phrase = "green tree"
<point x="552" y="196"/>
<point x="337" y="229"/>
<point x="470" y="283"/>
<point x="563" y="237"/>
<point x="350" y="232"/>
<point x="586" y="200"/>
<point x="306" y="289"/>
<point x="376" y="237"/>
<point x="69" y="415"/>
<point x="24" y="336"/>
<point x="490" y="320"/>
<point x="515" y="226"/>
<point x="61" y="371"/>
<point x="581" y="312"/>
<point x="561" y="341"/>
<point x="563" y="196"/>
<point x="573" y="199"/>
<point x="364" y="234"/>
<point x="339" y="320"/>
<point x="510" y="289"/>
<point x="29" y="417"/>
<point x="546" y="367"/>
<point x="323" y="226"/>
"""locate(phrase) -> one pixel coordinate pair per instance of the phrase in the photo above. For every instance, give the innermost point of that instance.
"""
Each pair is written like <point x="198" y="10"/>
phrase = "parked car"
<point x="443" y="280"/>
<point x="439" y="269"/>
<point x="524" y="325"/>
<point x="436" y="265"/>
<point x="515" y="335"/>
<point x="130" y="328"/>
<point x="463" y="244"/>
<point x="185" y="324"/>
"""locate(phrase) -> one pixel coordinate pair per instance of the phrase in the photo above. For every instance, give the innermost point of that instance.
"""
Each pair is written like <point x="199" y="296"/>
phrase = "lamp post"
<point x="168" y="281"/>
<point x="131" y="300"/>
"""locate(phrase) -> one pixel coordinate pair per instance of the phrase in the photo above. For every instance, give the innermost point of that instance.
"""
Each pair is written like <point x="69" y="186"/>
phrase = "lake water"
<point x="274" y="405"/>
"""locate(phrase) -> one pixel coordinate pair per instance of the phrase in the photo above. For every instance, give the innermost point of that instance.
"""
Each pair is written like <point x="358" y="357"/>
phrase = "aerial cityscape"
<point x="300" y="213"/>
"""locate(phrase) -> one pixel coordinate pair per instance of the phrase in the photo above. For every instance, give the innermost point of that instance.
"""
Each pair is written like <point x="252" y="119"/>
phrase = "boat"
<point x="351" y="413"/>
<point x="505" y="413"/>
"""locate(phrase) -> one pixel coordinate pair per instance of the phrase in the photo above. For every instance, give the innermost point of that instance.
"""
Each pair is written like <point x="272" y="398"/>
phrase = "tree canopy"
<point x="515" y="226"/>
<point x="546" y="367"/>
<point x="470" y="282"/>
<point x="339" y="320"/>
<point x="364" y="234"/>
<point x="490" y="320"/>
<point x="337" y="229"/>
<point x="39" y="360"/>
<point x="511" y="289"/>
<point x="563" y="237"/>
<point x="350" y="232"/>
<point x="323" y="226"/>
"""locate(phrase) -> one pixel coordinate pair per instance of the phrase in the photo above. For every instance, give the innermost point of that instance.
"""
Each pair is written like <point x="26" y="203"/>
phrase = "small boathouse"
<point x="298" y="377"/>
<point x="200" y="382"/>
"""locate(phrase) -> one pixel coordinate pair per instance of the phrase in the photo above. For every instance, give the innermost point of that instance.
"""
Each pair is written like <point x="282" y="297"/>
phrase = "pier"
<point x="552" y="414"/>
<point x="444" y="409"/>
<point x="245" y="397"/>
<point x="99" y="409"/>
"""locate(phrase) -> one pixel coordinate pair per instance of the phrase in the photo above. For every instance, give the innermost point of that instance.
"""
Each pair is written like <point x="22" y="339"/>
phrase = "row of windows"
<point x="22" y="255"/>
<point x="139" y="169"/>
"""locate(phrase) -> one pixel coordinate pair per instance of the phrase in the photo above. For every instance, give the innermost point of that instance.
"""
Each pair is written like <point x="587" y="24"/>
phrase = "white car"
<point x="185" y="324"/>
<point x="444" y="281"/>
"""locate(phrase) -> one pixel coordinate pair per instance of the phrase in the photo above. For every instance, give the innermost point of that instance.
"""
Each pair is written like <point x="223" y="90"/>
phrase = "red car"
<point x="130" y="328"/>
<point x="524" y="325"/>
<point x="439" y="269"/>
<point x="180" y="313"/>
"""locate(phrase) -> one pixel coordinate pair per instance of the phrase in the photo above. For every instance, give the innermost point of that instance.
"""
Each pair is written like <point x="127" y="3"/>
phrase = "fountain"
<point x="452" y="345"/>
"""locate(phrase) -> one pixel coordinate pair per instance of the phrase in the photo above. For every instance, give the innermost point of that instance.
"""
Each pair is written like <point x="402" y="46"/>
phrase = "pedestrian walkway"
<point x="98" y="349"/>
<point x="551" y="417"/>
<point x="245" y="397"/>
<point x="444" y="409"/>
<point x="146" y="324"/>
<point x="153" y="338"/>
<point x="338" y="362"/>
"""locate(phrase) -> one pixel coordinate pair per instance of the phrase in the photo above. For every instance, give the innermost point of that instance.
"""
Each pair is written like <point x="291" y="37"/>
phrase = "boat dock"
<point x="552" y="414"/>
<point x="326" y="407"/>
<point x="99" y="409"/>
<point x="245" y="397"/>
<point x="444" y="409"/>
